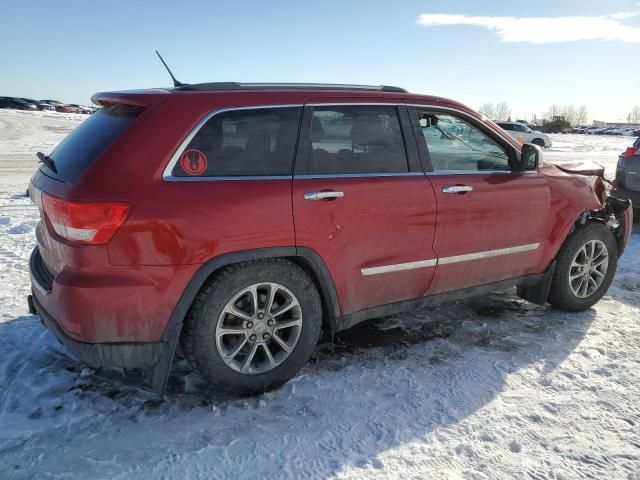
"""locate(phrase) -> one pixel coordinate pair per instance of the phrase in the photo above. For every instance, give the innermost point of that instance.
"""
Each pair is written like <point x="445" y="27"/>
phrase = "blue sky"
<point x="70" y="49"/>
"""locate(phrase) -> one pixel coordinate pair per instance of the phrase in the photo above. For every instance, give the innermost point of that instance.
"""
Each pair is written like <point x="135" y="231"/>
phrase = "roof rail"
<point x="205" y="87"/>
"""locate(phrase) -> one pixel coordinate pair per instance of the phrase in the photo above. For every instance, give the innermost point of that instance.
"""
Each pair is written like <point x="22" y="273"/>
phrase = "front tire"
<point x="253" y="326"/>
<point x="538" y="141"/>
<point x="585" y="267"/>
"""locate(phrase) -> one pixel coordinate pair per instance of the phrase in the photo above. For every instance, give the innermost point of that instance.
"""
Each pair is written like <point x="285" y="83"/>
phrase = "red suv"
<point x="241" y="220"/>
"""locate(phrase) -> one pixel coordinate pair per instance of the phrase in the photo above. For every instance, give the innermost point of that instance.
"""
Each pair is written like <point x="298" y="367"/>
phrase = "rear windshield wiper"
<point x="48" y="161"/>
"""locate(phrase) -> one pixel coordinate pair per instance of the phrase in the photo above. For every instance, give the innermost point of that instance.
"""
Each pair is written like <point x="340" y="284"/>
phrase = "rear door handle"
<point x="323" y="195"/>
<point x="457" y="189"/>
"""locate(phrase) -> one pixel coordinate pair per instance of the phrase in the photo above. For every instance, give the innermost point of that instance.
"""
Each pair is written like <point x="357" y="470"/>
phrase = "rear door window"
<point x="83" y="145"/>
<point x="359" y="139"/>
<point x="239" y="143"/>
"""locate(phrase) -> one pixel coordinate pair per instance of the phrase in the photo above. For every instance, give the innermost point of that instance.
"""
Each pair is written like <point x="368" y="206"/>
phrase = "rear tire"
<point x="585" y="267"/>
<point x="246" y="346"/>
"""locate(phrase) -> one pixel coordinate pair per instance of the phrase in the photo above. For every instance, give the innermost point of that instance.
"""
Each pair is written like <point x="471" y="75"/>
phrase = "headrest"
<point x="368" y="130"/>
<point x="317" y="132"/>
<point x="259" y="141"/>
<point x="210" y="136"/>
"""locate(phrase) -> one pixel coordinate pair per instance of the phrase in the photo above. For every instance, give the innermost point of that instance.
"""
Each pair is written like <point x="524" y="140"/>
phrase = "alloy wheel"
<point x="259" y="328"/>
<point x="588" y="268"/>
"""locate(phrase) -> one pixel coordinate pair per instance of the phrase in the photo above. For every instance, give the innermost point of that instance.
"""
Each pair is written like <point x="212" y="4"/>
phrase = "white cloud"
<point x="545" y="29"/>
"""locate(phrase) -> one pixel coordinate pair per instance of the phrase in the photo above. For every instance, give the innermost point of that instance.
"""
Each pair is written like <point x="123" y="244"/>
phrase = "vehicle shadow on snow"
<point x="378" y="385"/>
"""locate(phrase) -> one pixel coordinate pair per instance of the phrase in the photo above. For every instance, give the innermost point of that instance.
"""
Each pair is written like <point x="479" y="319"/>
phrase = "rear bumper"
<point x="125" y="355"/>
<point x="108" y="305"/>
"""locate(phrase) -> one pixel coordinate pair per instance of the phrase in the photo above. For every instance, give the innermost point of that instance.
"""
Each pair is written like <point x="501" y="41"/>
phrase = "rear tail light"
<point x="90" y="223"/>
<point x="631" y="151"/>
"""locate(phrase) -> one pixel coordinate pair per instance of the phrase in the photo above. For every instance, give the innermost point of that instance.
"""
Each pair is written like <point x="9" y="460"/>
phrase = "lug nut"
<point x="265" y="336"/>
<point x="249" y="324"/>
<point x="252" y="338"/>
<point x="271" y="322"/>
<point x="261" y="316"/>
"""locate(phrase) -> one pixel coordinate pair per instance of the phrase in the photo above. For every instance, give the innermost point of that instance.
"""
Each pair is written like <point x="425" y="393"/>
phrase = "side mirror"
<point x="530" y="158"/>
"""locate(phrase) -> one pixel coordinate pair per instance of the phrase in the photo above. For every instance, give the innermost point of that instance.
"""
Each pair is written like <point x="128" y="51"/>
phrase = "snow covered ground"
<point x="602" y="149"/>
<point x="488" y="389"/>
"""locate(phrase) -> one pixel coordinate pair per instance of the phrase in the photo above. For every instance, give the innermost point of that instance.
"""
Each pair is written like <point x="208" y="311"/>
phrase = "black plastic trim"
<point x="538" y="292"/>
<point x="410" y="144"/>
<point x="39" y="270"/>
<point x="215" y="86"/>
<point x="350" y="320"/>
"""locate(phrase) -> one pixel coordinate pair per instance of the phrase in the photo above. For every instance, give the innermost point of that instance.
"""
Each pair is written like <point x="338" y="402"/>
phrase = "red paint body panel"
<point x="571" y="196"/>
<point x="127" y="290"/>
<point x="502" y="211"/>
<point x="379" y="221"/>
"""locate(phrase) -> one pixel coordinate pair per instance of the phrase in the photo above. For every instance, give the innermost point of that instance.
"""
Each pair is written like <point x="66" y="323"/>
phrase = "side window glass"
<point x="356" y="140"/>
<point x="242" y="143"/>
<point x="455" y="145"/>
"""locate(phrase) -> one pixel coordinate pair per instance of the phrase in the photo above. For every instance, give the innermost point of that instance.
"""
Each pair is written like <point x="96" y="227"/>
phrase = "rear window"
<point x="239" y="143"/>
<point x="83" y="145"/>
<point x="356" y="139"/>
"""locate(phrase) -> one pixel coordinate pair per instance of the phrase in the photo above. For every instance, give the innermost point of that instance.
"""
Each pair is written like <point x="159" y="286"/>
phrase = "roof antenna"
<point x="176" y="83"/>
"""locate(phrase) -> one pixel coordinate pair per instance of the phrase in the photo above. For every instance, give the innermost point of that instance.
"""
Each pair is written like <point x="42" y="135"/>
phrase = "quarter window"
<point x="356" y="140"/>
<point x="455" y="145"/>
<point x="242" y="143"/>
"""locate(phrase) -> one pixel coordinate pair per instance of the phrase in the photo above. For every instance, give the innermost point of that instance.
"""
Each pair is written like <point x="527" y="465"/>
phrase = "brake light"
<point x="90" y="223"/>
<point x="630" y="152"/>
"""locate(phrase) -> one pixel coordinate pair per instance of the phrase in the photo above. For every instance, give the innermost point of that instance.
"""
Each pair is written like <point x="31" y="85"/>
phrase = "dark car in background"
<point x="39" y="105"/>
<point x="628" y="177"/>
<point x="628" y="170"/>
<point x="16" y="103"/>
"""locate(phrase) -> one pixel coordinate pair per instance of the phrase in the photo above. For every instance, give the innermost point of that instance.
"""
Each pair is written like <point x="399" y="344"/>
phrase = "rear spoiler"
<point x="140" y="98"/>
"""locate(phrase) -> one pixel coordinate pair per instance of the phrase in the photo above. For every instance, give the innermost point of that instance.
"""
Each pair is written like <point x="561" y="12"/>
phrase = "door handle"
<point x="457" y="189"/>
<point x="323" y="195"/>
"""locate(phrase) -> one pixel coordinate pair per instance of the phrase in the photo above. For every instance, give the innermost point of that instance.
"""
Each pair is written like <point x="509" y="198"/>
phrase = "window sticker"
<point x="193" y="162"/>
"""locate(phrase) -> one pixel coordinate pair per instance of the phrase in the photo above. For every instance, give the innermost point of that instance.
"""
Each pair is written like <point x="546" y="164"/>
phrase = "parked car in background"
<point x="16" y="103"/>
<point x="527" y="124"/>
<point x="130" y="259"/>
<point x="628" y="173"/>
<point x="628" y="177"/>
<point x="524" y="134"/>
<point x="63" y="108"/>
<point x="81" y="108"/>
<point x="39" y="105"/>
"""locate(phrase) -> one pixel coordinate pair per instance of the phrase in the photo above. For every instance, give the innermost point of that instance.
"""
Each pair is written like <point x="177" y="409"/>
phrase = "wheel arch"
<point x="305" y="258"/>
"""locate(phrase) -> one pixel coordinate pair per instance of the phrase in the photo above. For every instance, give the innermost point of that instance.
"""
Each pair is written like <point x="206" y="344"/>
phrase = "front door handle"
<point x="323" y="195"/>
<point x="457" y="189"/>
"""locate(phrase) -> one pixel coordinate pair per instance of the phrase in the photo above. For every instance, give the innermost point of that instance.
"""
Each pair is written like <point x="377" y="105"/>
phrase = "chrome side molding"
<point x="398" y="267"/>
